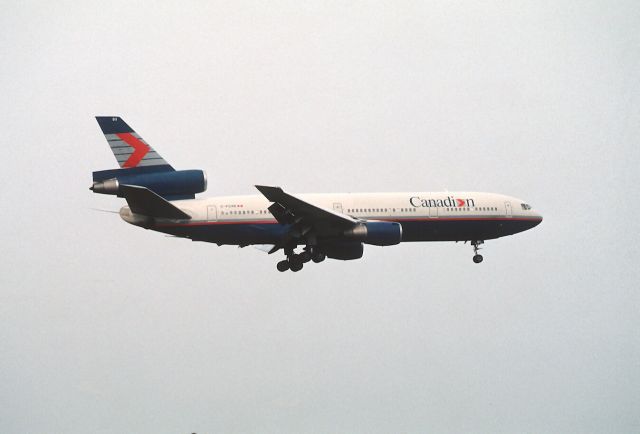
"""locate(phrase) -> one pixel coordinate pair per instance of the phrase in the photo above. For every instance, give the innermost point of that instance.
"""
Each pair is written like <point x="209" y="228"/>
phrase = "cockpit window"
<point x="525" y="206"/>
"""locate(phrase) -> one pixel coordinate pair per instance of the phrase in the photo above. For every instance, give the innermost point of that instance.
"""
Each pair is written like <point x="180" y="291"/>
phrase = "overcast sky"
<point x="107" y="328"/>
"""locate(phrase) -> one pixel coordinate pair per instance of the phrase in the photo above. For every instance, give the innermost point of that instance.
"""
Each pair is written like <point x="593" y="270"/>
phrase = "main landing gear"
<point x="295" y="261"/>
<point x="477" y="258"/>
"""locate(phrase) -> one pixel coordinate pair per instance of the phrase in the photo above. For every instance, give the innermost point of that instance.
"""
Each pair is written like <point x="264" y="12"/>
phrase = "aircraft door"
<point x="212" y="213"/>
<point x="507" y="206"/>
<point x="337" y="207"/>
<point x="433" y="211"/>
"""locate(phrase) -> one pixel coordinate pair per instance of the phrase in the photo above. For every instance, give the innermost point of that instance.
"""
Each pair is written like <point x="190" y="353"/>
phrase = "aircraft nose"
<point x="538" y="217"/>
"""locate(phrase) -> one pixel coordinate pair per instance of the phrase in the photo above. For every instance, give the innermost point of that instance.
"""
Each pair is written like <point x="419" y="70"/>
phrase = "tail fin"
<point x="127" y="146"/>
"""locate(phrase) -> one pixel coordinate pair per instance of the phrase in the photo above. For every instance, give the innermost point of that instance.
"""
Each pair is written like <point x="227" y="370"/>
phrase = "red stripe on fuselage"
<point x="139" y="149"/>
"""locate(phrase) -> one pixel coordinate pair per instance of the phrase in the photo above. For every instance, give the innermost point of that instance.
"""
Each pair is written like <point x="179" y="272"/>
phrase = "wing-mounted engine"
<point x="169" y="184"/>
<point x="376" y="233"/>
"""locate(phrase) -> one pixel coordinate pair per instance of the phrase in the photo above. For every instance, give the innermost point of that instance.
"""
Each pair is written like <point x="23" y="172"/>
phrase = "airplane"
<point x="333" y="226"/>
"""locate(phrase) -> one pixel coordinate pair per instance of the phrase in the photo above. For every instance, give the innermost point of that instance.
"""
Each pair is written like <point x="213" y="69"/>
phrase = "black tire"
<point x="477" y="259"/>
<point x="282" y="266"/>
<point x="295" y="265"/>
<point x="318" y="257"/>
<point x="305" y="257"/>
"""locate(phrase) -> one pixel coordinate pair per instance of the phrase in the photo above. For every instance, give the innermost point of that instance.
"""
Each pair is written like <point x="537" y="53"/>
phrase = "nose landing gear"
<point x="477" y="258"/>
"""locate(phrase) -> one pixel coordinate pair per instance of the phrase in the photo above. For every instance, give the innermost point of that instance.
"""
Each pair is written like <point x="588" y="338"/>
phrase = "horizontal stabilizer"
<point x="143" y="201"/>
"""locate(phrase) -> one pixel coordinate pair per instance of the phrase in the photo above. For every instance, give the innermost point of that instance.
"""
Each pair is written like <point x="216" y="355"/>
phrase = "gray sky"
<point x="108" y="328"/>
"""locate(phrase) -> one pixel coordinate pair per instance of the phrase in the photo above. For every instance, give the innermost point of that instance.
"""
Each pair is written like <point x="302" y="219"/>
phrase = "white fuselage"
<point x="383" y="206"/>
<point x="424" y="216"/>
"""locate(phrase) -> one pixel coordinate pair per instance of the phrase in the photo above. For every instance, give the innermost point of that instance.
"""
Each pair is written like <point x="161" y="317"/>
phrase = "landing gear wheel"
<point x="295" y="264"/>
<point x="283" y="266"/>
<point x="318" y="257"/>
<point x="305" y="257"/>
<point x="477" y="258"/>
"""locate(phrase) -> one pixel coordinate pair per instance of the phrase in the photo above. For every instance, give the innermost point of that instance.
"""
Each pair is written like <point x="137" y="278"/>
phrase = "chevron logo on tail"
<point x="140" y="149"/>
<point x="127" y="146"/>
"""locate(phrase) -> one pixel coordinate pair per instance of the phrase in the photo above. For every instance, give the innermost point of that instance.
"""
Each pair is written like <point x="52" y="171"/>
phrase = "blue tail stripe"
<point x="113" y="125"/>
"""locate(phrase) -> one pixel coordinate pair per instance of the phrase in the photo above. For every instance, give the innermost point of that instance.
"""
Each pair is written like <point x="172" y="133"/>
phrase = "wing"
<point x="301" y="209"/>
<point x="306" y="220"/>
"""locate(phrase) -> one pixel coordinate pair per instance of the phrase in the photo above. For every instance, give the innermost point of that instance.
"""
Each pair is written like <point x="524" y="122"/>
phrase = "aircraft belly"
<point x="235" y="234"/>
<point x="462" y="230"/>
<point x="412" y="230"/>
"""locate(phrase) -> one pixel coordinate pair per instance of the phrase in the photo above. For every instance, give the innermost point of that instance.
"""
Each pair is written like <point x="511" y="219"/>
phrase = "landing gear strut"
<point x="477" y="258"/>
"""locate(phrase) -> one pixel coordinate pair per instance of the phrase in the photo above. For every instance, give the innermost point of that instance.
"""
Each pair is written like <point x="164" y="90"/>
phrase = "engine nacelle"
<point x="376" y="233"/>
<point x="343" y="250"/>
<point x="173" y="184"/>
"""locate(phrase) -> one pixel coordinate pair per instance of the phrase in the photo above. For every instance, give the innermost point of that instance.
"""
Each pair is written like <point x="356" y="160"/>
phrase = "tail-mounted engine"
<point x="173" y="184"/>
